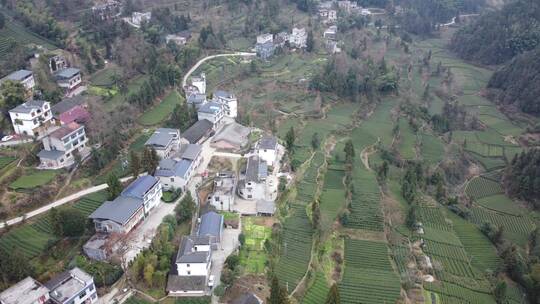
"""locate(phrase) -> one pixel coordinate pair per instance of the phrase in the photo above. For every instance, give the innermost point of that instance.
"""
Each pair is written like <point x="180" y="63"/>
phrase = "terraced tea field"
<point x="28" y="240"/>
<point x="516" y="228"/>
<point x="295" y="247"/>
<point x="432" y="148"/>
<point x="6" y="160"/>
<point x="480" y="187"/>
<point x="307" y="187"/>
<point x="368" y="276"/>
<point x="318" y="290"/>
<point x="15" y="32"/>
<point x="332" y="198"/>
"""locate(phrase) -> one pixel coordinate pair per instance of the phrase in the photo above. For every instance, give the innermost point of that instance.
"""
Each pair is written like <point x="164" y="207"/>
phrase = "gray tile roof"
<point x="211" y="225"/>
<point x="67" y="104"/>
<point x="211" y="108"/>
<point x="50" y="154"/>
<point x="19" y="75"/>
<point x="256" y="169"/>
<point x="29" y="106"/>
<point x="139" y="187"/>
<point x="223" y="94"/>
<point x="233" y="133"/>
<point x="180" y="168"/>
<point x="166" y="164"/>
<point x="186" y="252"/>
<point x="197" y="131"/>
<point x="191" y="151"/>
<point x="196" y="98"/>
<point x="187" y="283"/>
<point x="268" y="142"/>
<point x="67" y="73"/>
<point x="120" y="210"/>
<point x="266" y="207"/>
<point x="159" y="140"/>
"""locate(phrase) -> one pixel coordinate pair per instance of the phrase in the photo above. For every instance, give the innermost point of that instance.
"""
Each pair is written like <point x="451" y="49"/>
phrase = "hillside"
<point x="518" y="82"/>
<point x="498" y="36"/>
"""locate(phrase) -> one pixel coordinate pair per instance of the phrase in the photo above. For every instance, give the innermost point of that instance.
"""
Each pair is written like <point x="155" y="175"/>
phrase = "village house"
<point x="347" y="5"/>
<point x="330" y="33"/>
<point x="281" y="39"/>
<point x="179" y="39"/>
<point x="31" y="118"/>
<point x="72" y="287"/>
<point x="108" y="10"/>
<point x="222" y="197"/>
<point x="138" y="18"/>
<point x="68" y="78"/>
<point x="267" y="149"/>
<point x="211" y="111"/>
<point x="198" y="132"/>
<point x="192" y="152"/>
<point x="332" y="47"/>
<point x="25" y="78"/>
<point x="57" y="63"/>
<point x="298" y="38"/>
<point x="211" y="226"/>
<point x="232" y="137"/>
<point x="27" y="291"/>
<point x="196" y="99"/>
<point x="62" y="147"/>
<point x="130" y="207"/>
<point x="229" y="102"/>
<point x="253" y="186"/>
<point x="198" y="85"/>
<point x="174" y="174"/>
<point x="70" y="110"/>
<point x="265" y="46"/>
<point x="165" y="141"/>
<point x="189" y="274"/>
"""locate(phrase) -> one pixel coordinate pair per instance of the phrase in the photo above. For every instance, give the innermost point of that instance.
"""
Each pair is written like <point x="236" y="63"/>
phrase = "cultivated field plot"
<point x="433" y="217"/>
<point x="480" y="187"/>
<point x="161" y="111"/>
<point x="308" y="185"/>
<point x="318" y="291"/>
<point x="12" y="31"/>
<point x="106" y="77"/>
<point x="33" y="179"/>
<point x="27" y="240"/>
<point x="450" y="293"/>
<point x="332" y="198"/>
<point x="402" y="256"/>
<point x="478" y="246"/>
<point x="432" y="148"/>
<point x="295" y="247"/>
<point x="407" y="145"/>
<point x="501" y="203"/>
<point x="516" y="228"/>
<point x="91" y="202"/>
<point x="252" y="254"/>
<point x="368" y="276"/>
<point x="6" y="160"/>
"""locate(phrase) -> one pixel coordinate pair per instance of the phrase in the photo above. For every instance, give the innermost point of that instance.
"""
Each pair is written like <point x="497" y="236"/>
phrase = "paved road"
<point x="58" y="203"/>
<point x="184" y="80"/>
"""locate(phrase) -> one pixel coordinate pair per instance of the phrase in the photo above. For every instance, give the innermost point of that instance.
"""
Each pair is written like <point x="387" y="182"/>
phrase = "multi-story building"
<point x="222" y="197"/>
<point x="24" y="77"/>
<point x="175" y="174"/>
<point x="267" y="149"/>
<point x="330" y="33"/>
<point x="211" y="111"/>
<point x="298" y="38"/>
<point x="31" y="118"/>
<point x="165" y="141"/>
<point x="27" y="291"/>
<point x="68" y="78"/>
<point x="253" y="185"/>
<point x="60" y="148"/>
<point x="108" y="10"/>
<point x="72" y="287"/>
<point x="138" y="18"/>
<point x="265" y="46"/>
<point x="229" y="102"/>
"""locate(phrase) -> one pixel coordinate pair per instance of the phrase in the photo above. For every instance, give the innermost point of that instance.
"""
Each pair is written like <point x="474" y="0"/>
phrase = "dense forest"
<point x="518" y="82"/>
<point x="498" y="36"/>
<point x="522" y="177"/>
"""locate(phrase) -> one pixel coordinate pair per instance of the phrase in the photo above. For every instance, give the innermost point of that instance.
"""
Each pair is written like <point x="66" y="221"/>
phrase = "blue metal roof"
<point x="140" y="186"/>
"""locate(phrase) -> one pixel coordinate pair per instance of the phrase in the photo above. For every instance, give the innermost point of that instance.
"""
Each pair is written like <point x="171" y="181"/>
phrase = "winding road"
<point x="193" y="68"/>
<point x="58" y="203"/>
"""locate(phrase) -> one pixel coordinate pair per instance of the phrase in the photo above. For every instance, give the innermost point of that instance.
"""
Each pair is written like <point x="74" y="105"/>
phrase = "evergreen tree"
<point x="289" y="140"/>
<point x="315" y="215"/>
<point x="115" y="187"/>
<point x="310" y="42"/>
<point x="333" y="295"/>
<point x="315" y="141"/>
<point x="134" y="164"/>
<point x="349" y="152"/>
<point x="278" y="294"/>
<point x="150" y="160"/>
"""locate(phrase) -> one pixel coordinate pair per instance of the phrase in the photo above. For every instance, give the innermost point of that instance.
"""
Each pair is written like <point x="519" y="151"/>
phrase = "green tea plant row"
<point x="402" y="256"/>
<point x="318" y="290"/>
<point x="87" y="205"/>
<point x="27" y="240"/>
<point x="295" y="247"/>
<point x="432" y="217"/>
<point x="432" y="148"/>
<point x="517" y="228"/>
<point x="12" y="31"/>
<point x="479" y="248"/>
<point x="502" y="204"/>
<point x="452" y="293"/>
<point x="6" y="160"/>
<point x="480" y="187"/>
<point x="308" y="186"/>
<point x="368" y="276"/>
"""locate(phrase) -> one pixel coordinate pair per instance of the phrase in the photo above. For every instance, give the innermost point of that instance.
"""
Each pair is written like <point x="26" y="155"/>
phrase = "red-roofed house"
<point x="71" y="110"/>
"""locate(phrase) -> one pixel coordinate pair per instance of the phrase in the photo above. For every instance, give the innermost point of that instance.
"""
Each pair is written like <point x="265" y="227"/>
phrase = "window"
<point x="82" y="294"/>
<point x="188" y="264"/>
<point x="189" y="272"/>
<point x="91" y="287"/>
<point x="250" y="196"/>
<point x="172" y="179"/>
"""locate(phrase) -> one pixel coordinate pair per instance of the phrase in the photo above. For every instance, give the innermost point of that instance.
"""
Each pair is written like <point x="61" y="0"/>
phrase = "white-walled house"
<point x="138" y="18"/>
<point x="229" y="102"/>
<point x="253" y="186"/>
<point x="298" y="38"/>
<point x="30" y="290"/>
<point x="174" y="174"/>
<point x="128" y="209"/>
<point x="72" y="287"/>
<point x="61" y="146"/>
<point x="24" y="77"/>
<point x="267" y="149"/>
<point x="199" y="83"/>
<point x="211" y="111"/>
<point x="222" y="197"/>
<point x="68" y="78"/>
<point x="31" y="118"/>
<point x="165" y="141"/>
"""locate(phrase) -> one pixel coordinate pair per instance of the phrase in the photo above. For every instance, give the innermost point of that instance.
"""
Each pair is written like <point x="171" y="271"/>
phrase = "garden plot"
<point x="252" y="254"/>
<point x="33" y="179"/>
<point x="295" y="247"/>
<point x="368" y="275"/>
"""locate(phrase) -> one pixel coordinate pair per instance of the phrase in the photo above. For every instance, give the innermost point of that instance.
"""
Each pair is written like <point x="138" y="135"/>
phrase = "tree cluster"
<point x="497" y="36"/>
<point x="209" y="40"/>
<point x="67" y="222"/>
<point x="182" y="117"/>
<point x="162" y="77"/>
<point x="185" y="209"/>
<point x="522" y="177"/>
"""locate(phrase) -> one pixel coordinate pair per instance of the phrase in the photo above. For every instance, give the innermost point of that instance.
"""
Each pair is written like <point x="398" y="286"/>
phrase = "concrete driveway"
<point x="228" y="245"/>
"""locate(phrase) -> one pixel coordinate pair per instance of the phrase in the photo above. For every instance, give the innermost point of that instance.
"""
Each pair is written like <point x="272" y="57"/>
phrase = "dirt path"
<point x="364" y="155"/>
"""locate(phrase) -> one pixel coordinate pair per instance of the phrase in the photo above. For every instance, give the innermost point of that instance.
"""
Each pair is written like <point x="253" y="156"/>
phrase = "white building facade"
<point x="31" y="118"/>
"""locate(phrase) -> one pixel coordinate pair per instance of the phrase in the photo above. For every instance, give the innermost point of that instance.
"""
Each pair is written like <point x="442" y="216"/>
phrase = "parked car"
<point x="211" y="281"/>
<point x="7" y="138"/>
